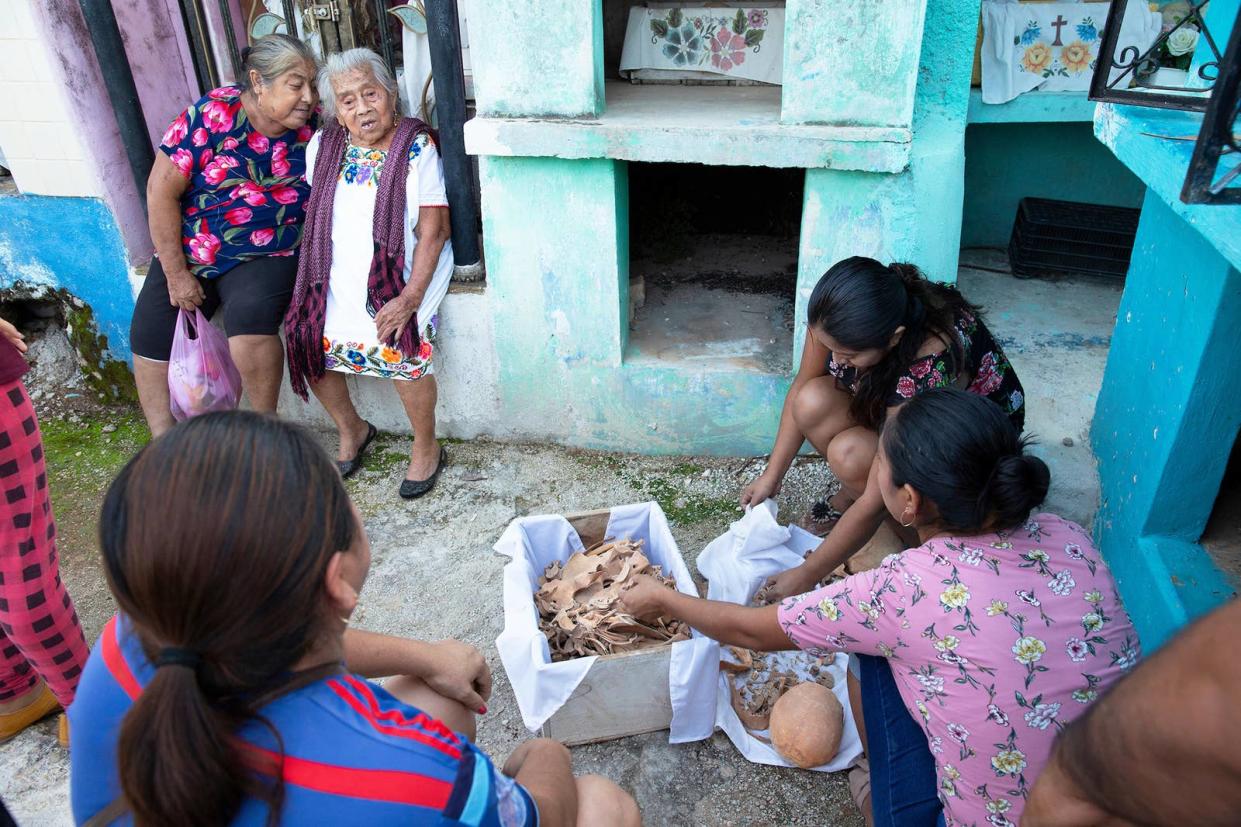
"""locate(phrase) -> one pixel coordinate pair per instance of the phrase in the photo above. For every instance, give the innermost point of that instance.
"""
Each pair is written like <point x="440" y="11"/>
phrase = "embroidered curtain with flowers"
<point x="741" y="43"/>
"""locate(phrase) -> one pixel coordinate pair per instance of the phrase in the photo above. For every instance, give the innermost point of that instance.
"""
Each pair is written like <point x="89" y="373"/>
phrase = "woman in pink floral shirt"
<point x="998" y="630"/>
<point x="226" y="198"/>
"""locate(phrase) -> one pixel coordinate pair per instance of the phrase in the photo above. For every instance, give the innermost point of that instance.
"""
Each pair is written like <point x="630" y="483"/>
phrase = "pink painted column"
<point x="155" y="47"/>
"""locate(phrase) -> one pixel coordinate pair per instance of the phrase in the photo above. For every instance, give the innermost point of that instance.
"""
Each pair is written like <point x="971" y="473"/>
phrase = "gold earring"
<point x="908" y="524"/>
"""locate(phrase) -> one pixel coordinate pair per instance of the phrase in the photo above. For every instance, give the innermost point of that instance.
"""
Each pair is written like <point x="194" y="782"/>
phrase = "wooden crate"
<point x="621" y="695"/>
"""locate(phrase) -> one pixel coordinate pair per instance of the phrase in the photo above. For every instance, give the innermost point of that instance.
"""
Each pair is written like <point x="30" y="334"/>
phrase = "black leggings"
<point x="253" y="297"/>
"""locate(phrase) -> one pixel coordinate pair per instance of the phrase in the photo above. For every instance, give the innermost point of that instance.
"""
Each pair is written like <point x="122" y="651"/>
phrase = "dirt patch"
<point x="435" y="576"/>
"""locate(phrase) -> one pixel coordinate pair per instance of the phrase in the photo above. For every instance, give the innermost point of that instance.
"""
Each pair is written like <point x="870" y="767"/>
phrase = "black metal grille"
<point x="1139" y="67"/>
<point x="1214" y="175"/>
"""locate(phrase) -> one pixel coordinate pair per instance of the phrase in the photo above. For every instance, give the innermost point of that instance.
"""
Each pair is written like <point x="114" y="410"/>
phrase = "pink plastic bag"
<point x="201" y="374"/>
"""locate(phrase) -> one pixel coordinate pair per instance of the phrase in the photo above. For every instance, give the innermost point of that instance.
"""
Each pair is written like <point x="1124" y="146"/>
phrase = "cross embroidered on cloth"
<point x="1051" y="47"/>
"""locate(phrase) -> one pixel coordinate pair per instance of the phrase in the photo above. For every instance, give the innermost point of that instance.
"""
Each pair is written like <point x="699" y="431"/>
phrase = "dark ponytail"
<point x="961" y="452"/>
<point x="216" y="538"/>
<point x="860" y="303"/>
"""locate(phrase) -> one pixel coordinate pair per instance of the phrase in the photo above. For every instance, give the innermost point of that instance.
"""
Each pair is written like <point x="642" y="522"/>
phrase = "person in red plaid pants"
<point x="42" y="648"/>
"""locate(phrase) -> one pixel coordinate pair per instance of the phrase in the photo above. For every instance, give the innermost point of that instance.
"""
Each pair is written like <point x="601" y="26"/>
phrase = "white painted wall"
<point x="43" y="146"/>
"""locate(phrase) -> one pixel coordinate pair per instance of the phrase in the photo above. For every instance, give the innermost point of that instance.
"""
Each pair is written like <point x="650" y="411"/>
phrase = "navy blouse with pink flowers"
<point x="247" y="192"/>
<point x="986" y="371"/>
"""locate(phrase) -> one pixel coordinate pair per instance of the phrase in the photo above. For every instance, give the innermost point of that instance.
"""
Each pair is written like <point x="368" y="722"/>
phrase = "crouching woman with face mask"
<point x="229" y="691"/>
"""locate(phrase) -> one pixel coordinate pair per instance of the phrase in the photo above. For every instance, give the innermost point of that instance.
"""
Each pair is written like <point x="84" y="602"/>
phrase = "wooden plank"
<point x="590" y="525"/>
<point x="621" y="695"/>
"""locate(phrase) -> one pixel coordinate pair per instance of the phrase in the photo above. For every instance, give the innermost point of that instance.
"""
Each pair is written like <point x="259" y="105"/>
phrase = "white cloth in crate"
<point x="737" y="42"/>
<point x="737" y="564"/>
<point x="541" y="686"/>
<point x="1052" y="47"/>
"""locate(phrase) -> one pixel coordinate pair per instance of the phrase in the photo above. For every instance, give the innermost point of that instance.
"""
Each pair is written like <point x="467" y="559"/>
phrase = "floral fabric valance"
<point x="741" y="43"/>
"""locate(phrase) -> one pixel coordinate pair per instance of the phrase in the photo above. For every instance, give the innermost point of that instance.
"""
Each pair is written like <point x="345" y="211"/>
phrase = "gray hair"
<point x="354" y="60"/>
<point x="271" y="56"/>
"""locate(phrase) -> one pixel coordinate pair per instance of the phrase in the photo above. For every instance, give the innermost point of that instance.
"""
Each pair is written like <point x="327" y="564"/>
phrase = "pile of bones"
<point x="578" y="603"/>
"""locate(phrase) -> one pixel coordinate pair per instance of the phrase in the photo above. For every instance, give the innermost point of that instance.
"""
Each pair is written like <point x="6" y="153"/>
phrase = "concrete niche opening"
<point x="713" y="265"/>
<point x="1222" y="537"/>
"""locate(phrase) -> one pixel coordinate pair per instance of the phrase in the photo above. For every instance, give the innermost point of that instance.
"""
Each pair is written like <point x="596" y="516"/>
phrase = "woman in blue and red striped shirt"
<point x="229" y="690"/>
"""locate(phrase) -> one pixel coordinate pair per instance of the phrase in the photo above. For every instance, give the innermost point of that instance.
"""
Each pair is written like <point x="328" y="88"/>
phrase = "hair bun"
<point x="1018" y="485"/>
<point x="906" y="272"/>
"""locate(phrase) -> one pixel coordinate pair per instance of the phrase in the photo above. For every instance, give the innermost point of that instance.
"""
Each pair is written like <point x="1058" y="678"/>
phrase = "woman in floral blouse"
<point x="994" y="633"/>
<point x="375" y="264"/>
<point x="877" y="336"/>
<point x="225" y="199"/>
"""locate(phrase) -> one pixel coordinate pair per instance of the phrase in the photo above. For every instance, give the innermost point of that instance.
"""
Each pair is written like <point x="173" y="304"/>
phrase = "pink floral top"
<point x="247" y="192"/>
<point x="984" y="370"/>
<point x="996" y="642"/>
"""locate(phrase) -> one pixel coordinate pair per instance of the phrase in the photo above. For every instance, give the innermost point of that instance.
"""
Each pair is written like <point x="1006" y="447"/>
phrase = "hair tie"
<point x="173" y="656"/>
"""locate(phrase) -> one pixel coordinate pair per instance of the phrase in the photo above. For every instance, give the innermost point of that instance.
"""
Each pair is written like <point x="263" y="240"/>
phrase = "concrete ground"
<point x="435" y="575"/>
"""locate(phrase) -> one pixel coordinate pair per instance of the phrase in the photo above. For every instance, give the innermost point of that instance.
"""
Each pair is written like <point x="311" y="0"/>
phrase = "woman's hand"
<point x="457" y="670"/>
<point x="184" y="291"/>
<point x="763" y="488"/>
<point x="392" y="318"/>
<point x="643" y="597"/>
<point x="13" y="335"/>
<point x="786" y="584"/>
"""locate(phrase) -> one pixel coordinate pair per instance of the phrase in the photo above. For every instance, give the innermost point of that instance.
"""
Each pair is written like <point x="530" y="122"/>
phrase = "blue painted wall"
<point x="1165" y="422"/>
<point x="71" y="244"/>
<point x="1005" y="162"/>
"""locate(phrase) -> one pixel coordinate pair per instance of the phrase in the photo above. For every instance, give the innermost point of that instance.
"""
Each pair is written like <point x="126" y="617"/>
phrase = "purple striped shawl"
<point x="303" y="323"/>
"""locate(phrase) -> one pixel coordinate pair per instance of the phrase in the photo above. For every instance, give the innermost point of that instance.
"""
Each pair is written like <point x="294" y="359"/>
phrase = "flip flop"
<point x="350" y="467"/>
<point x="413" y="489"/>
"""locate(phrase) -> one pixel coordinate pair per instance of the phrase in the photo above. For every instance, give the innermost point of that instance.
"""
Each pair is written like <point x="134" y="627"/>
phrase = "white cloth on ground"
<point x="737" y="563"/>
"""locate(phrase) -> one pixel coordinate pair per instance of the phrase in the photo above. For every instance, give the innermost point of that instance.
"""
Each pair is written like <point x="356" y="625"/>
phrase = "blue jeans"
<point x="903" y="788"/>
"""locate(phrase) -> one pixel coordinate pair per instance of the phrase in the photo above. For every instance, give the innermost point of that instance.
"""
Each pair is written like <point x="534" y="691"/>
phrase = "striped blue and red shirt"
<point x="353" y="754"/>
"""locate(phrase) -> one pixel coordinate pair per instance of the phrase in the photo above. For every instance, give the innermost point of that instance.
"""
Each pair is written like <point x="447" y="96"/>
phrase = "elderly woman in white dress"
<point x="375" y="262"/>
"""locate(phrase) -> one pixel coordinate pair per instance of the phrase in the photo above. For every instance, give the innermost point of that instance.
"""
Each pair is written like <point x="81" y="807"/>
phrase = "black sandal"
<point x="413" y="489"/>
<point x="350" y="467"/>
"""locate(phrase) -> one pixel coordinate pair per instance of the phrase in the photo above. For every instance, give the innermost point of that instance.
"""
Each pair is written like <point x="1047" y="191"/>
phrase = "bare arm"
<point x="454" y="669"/>
<point x="544" y="768"/>
<point x="165" y="188"/>
<point x="789" y="438"/>
<point x="1161" y="747"/>
<point x="751" y="628"/>
<point x="856" y="526"/>
<point x="433" y="231"/>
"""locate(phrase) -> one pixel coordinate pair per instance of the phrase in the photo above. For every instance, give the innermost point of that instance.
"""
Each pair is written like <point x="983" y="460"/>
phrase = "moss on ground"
<point x="107" y="377"/>
<point x="680" y="505"/>
<point x="82" y="460"/>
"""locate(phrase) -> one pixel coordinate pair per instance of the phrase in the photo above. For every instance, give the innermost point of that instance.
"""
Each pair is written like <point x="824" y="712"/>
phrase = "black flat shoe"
<point x="413" y="489"/>
<point x="351" y="466"/>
